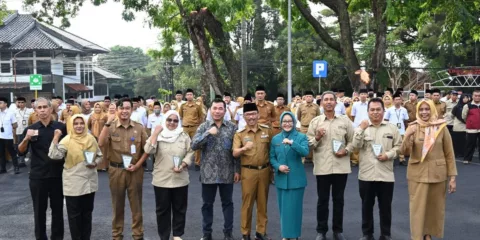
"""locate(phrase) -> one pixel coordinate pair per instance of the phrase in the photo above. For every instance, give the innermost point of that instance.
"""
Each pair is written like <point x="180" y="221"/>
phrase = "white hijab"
<point x="168" y="135"/>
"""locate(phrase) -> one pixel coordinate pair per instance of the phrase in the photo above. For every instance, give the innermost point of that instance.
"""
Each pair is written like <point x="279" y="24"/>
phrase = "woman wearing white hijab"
<point x="171" y="146"/>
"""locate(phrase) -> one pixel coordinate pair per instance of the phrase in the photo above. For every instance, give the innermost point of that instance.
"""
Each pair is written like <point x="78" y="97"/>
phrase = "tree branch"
<point x="317" y="26"/>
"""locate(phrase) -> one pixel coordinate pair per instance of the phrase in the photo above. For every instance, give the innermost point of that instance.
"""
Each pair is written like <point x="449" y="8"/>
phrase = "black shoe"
<point x="16" y="170"/>
<point x="321" y="236"/>
<point x="403" y="163"/>
<point x="338" y="236"/>
<point x="206" y="236"/>
<point x="3" y="171"/>
<point x="385" y="238"/>
<point x="228" y="236"/>
<point x="246" y="237"/>
<point x="367" y="237"/>
<point x="259" y="236"/>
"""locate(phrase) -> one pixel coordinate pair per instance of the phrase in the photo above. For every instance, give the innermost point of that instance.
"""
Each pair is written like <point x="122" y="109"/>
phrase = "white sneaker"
<point x="177" y="238"/>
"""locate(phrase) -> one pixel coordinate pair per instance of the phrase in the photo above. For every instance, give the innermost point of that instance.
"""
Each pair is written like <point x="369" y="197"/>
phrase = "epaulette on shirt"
<point x="264" y="126"/>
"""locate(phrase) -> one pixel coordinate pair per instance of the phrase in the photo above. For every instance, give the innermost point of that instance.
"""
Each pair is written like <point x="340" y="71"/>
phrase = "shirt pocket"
<point x="387" y="141"/>
<point x="117" y="143"/>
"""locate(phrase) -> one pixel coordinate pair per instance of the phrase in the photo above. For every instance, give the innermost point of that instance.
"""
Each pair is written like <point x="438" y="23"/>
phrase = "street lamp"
<point x="289" y="66"/>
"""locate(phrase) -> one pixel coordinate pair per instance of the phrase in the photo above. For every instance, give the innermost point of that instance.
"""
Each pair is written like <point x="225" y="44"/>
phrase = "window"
<point x="5" y="56"/>
<point x="24" y="55"/>
<point x="24" y="67"/>
<point x="69" y="69"/>
<point x="5" y="68"/>
<point x="44" y="67"/>
<point x="43" y="54"/>
<point x="86" y="77"/>
<point x="100" y="89"/>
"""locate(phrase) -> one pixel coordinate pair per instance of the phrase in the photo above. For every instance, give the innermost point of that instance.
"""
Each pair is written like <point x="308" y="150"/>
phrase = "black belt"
<point x="305" y="125"/>
<point x="256" y="167"/>
<point x="189" y="126"/>
<point x="117" y="165"/>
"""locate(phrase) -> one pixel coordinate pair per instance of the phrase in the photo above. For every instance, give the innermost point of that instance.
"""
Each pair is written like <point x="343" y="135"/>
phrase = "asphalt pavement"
<point x="462" y="211"/>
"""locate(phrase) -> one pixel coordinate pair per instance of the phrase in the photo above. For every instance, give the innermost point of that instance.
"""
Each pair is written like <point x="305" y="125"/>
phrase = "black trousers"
<point x="79" y="210"/>
<point x="473" y="141"/>
<point x="337" y="184"/>
<point x="170" y="200"/>
<point x="209" y="192"/>
<point x="42" y="190"/>
<point x="459" y="141"/>
<point x="8" y="145"/>
<point x="383" y="191"/>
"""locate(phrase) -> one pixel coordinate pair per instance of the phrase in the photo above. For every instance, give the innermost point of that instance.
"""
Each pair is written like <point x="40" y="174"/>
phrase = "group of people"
<point x="251" y="141"/>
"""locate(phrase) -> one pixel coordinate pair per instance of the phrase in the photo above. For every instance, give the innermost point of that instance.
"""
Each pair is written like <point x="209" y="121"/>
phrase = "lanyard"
<point x="399" y="114"/>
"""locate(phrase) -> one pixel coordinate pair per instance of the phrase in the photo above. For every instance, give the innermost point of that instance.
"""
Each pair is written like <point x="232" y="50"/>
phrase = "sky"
<point x="104" y="26"/>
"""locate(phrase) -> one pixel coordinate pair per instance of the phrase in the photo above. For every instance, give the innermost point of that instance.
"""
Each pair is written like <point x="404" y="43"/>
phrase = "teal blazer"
<point x="284" y="154"/>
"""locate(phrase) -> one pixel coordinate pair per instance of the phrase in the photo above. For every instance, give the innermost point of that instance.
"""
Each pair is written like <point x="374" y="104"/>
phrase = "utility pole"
<point x="289" y="51"/>
<point x="244" y="57"/>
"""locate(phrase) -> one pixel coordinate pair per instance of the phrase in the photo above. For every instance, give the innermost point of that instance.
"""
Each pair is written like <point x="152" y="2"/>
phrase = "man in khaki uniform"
<point x="192" y="116"/>
<point x="376" y="176"/>
<point x="305" y="113"/>
<point x="331" y="167"/>
<point x="279" y="109"/>
<point x="411" y="106"/>
<point x="266" y="109"/>
<point x="439" y="105"/>
<point x="125" y="140"/>
<point x="252" y="145"/>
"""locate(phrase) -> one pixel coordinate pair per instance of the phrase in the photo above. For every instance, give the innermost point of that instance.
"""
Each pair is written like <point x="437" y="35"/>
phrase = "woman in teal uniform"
<point x="286" y="152"/>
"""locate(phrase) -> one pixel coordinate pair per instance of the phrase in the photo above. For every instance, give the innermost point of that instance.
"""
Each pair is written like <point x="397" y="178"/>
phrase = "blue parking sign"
<point x="320" y="68"/>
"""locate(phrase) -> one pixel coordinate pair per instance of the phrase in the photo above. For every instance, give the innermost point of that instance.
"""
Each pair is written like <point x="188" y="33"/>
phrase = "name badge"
<point x="89" y="157"/>
<point x="247" y="139"/>
<point x="264" y="136"/>
<point x="399" y="125"/>
<point x="24" y="122"/>
<point x="133" y="149"/>
<point x="377" y="149"/>
<point x="336" y="145"/>
<point x="176" y="161"/>
<point x="127" y="160"/>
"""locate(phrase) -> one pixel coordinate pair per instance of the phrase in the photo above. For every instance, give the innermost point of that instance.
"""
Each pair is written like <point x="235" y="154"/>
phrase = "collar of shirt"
<point x="250" y="129"/>
<point x="211" y="123"/>
<point x="370" y="124"/>
<point x="120" y="124"/>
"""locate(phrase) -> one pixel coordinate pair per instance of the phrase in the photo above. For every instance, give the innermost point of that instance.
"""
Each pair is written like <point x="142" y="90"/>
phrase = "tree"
<point x="3" y="11"/>
<point x="127" y="61"/>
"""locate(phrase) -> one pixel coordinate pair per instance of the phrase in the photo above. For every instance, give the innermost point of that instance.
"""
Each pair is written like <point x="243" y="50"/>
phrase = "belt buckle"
<point x="259" y="167"/>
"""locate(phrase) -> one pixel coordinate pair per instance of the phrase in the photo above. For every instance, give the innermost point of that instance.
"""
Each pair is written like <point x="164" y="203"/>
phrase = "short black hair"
<point x="376" y="100"/>
<point x="414" y="92"/>
<point x="281" y="95"/>
<point x="21" y="99"/>
<point x="436" y="90"/>
<point x="189" y="91"/>
<point x="122" y="100"/>
<point x="219" y="100"/>
<point x="396" y="95"/>
<point x="4" y="99"/>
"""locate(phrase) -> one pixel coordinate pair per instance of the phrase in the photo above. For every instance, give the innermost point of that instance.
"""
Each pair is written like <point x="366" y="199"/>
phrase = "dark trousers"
<point x="459" y="141"/>
<point x="42" y="190"/>
<point x="79" y="210"/>
<point x="21" y="158"/>
<point x="337" y="184"/>
<point x="473" y="141"/>
<point x="209" y="192"/>
<point x="168" y="200"/>
<point x="384" y="193"/>
<point x="8" y="145"/>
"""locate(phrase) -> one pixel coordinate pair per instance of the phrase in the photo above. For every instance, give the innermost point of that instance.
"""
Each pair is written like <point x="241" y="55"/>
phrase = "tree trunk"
<point x="378" y="8"/>
<point x="222" y="43"/>
<point x="345" y="49"/>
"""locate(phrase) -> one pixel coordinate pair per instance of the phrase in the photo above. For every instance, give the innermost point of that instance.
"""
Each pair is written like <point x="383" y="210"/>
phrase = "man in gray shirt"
<point x="218" y="167"/>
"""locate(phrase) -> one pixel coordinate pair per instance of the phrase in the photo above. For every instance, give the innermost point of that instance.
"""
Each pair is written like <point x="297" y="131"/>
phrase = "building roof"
<point x="105" y="73"/>
<point x="78" y="87"/>
<point x="22" y="31"/>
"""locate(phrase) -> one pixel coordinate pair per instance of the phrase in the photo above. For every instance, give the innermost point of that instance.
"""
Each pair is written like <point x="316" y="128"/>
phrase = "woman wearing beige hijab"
<point x="80" y="178"/>
<point x="95" y="123"/>
<point x="431" y="170"/>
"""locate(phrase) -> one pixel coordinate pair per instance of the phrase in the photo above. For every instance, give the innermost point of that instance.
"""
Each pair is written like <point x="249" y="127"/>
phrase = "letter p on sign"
<point x="320" y="68"/>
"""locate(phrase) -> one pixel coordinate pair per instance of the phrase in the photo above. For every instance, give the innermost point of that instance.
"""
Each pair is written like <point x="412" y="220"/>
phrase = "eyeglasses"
<point x="169" y="120"/>
<point x="287" y="121"/>
<point x="42" y="107"/>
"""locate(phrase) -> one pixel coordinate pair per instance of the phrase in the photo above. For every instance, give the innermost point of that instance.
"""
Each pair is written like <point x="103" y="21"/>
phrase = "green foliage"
<point x="3" y="11"/>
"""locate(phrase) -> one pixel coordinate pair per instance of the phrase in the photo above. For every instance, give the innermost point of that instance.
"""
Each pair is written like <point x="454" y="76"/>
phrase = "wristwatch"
<point x="107" y="124"/>
<point x="346" y="152"/>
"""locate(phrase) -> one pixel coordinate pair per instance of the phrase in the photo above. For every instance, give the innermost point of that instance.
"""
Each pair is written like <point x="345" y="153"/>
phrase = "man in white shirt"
<point x="155" y="119"/>
<point x="8" y="126"/>
<point x="61" y="105"/>
<point x="398" y="116"/>
<point x="360" y="109"/>
<point x="138" y="115"/>
<point x="22" y="114"/>
<point x="340" y="109"/>
<point x="179" y="99"/>
<point x="231" y="105"/>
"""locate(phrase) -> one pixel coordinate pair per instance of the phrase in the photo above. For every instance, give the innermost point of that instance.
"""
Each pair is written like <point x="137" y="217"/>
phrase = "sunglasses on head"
<point x="172" y="120"/>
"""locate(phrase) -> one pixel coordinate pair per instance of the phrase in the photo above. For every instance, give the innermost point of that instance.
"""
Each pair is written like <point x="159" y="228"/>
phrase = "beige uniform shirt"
<point x="370" y="168"/>
<point x="78" y="180"/>
<point x="324" y="160"/>
<point x="121" y="138"/>
<point x="261" y="138"/>
<point x="448" y="115"/>
<point x="163" y="174"/>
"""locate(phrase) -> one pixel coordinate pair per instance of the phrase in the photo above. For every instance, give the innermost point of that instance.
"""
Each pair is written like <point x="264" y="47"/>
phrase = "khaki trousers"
<point x="121" y="182"/>
<point x="427" y="209"/>
<point x="191" y="130"/>
<point x="255" y="186"/>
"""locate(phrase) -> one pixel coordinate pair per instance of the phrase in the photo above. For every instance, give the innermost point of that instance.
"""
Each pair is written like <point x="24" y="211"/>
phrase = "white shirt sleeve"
<point x="13" y="118"/>
<point x="387" y="115"/>
<point x="354" y="110"/>
<point x="149" y="123"/>
<point x="405" y="114"/>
